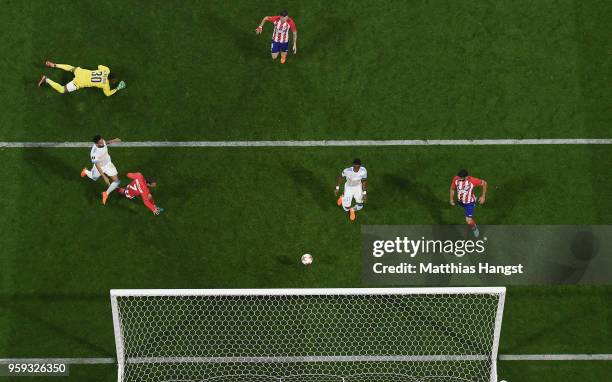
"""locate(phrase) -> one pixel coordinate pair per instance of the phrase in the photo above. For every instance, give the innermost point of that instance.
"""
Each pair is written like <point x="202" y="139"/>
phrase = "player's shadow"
<point x="43" y="161"/>
<point x="304" y="179"/>
<point x="27" y="307"/>
<point x="402" y="188"/>
<point x="510" y="194"/>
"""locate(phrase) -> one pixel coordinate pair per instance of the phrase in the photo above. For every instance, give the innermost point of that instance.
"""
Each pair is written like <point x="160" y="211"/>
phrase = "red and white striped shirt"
<point x="465" y="188"/>
<point x="281" y="29"/>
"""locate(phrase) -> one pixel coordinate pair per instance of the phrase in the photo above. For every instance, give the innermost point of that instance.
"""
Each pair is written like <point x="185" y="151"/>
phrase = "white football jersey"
<point x="353" y="179"/>
<point x="100" y="155"/>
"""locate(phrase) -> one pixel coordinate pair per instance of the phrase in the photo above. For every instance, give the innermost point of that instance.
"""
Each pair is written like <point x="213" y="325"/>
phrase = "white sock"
<point x="112" y="186"/>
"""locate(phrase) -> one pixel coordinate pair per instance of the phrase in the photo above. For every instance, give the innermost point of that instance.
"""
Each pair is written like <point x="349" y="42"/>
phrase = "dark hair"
<point x="462" y="173"/>
<point x="111" y="76"/>
<point x="284" y="13"/>
<point x="357" y="161"/>
<point x="96" y="138"/>
<point x="149" y="181"/>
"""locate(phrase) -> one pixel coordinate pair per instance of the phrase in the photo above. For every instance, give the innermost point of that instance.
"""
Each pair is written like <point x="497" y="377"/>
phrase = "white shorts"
<point x="70" y="86"/>
<point x="350" y="193"/>
<point x="108" y="169"/>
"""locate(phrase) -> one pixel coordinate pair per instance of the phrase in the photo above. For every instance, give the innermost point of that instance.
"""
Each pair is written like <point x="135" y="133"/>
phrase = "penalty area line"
<point x="502" y="357"/>
<point x="326" y="143"/>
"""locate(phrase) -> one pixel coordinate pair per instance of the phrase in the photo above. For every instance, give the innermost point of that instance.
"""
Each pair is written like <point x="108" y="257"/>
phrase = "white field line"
<point x="74" y="361"/>
<point x="333" y="143"/>
<point x="503" y="357"/>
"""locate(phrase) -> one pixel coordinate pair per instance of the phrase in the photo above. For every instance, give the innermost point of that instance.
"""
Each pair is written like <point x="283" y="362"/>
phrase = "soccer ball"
<point x="306" y="259"/>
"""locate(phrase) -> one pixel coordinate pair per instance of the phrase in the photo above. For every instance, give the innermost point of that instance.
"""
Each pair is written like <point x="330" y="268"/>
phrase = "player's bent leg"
<point x="347" y="200"/>
<point x="114" y="184"/>
<point x="92" y="174"/>
<point x="472" y="224"/>
<point x="275" y="49"/>
<point x="70" y="87"/>
<point x="57" y="87"/>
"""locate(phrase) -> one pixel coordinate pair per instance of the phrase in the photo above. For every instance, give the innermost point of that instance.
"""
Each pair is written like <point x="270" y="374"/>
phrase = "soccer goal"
<point x="318" y="335"/>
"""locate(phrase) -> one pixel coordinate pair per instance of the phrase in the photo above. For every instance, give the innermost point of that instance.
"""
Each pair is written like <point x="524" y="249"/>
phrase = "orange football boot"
<point x="352" y="214"/>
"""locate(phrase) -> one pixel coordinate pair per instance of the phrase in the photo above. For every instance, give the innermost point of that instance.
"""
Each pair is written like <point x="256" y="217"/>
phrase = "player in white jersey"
<point x="355" y="187"/>
<point x="102" y="165"/>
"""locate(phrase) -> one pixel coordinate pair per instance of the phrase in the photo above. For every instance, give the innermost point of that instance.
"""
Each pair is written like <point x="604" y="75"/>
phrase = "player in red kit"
<point x="140" y="187"/>
<point x="280" y="36"/>
<point x="465" y="186"/>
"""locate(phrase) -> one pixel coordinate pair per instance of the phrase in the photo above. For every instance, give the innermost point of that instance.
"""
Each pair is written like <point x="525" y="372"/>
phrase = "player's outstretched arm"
<point x="483" y="197"/>
<point x="337" y="189"/>
<point x="452" y="196"/>
<point x="113" y="141"/>
<point x="364" y="185"/>
<point x="261" y="24"/>
<point x="295" y="42"/>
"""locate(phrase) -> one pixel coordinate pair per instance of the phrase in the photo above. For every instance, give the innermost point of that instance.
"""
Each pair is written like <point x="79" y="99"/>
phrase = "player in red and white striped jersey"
<point x="280" y="37"/>
<point x="140" y="187"/>
<point x="465" y="185"/>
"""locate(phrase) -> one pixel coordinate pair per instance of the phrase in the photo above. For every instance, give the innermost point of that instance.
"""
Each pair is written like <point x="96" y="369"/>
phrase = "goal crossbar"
<point x="304" y="292"/>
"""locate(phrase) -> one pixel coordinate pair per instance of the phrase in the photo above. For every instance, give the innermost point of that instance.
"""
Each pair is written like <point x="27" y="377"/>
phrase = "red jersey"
<point x="281" y="29"/>
<point x="139" y="187"/>
<point x="465" y="188"/>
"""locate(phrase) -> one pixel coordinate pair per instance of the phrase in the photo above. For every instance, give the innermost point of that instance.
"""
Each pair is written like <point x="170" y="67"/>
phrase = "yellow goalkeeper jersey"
<point x="84" y="78"/>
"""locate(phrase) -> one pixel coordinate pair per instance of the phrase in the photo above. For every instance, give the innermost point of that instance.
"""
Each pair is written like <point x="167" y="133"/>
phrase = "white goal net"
<point x="318" y="335"/>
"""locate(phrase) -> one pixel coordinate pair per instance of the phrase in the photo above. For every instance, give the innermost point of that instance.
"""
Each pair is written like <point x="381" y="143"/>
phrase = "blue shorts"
<point x="468" y="209"/>
<point x="280" y="47"/>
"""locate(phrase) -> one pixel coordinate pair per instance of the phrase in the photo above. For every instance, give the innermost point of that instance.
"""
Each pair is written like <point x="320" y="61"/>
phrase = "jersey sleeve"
<point x="453" y="182"/>
<point x="365" y="174"/>
<point x="107" y="90"/>
<point x="343" y="173"/>
<point x="134" y="175"/>
<point x="292" y="25"/>
<point x="104" y="68"/>
<point x="476" y="181"/>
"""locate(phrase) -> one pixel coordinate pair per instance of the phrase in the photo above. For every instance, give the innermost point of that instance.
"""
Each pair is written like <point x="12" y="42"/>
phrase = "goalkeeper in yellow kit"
<point x="101" y="78"/>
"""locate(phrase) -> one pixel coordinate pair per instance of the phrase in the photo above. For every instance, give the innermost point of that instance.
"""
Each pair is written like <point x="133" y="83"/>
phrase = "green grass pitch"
<point x="241" y="217"/>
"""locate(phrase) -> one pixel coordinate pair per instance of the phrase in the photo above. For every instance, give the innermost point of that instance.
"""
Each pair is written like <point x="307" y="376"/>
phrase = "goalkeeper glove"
<point x="121" y="85"/>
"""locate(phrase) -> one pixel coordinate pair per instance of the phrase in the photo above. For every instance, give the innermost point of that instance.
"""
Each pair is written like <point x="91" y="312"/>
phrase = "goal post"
<point x="318" y="335"/>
